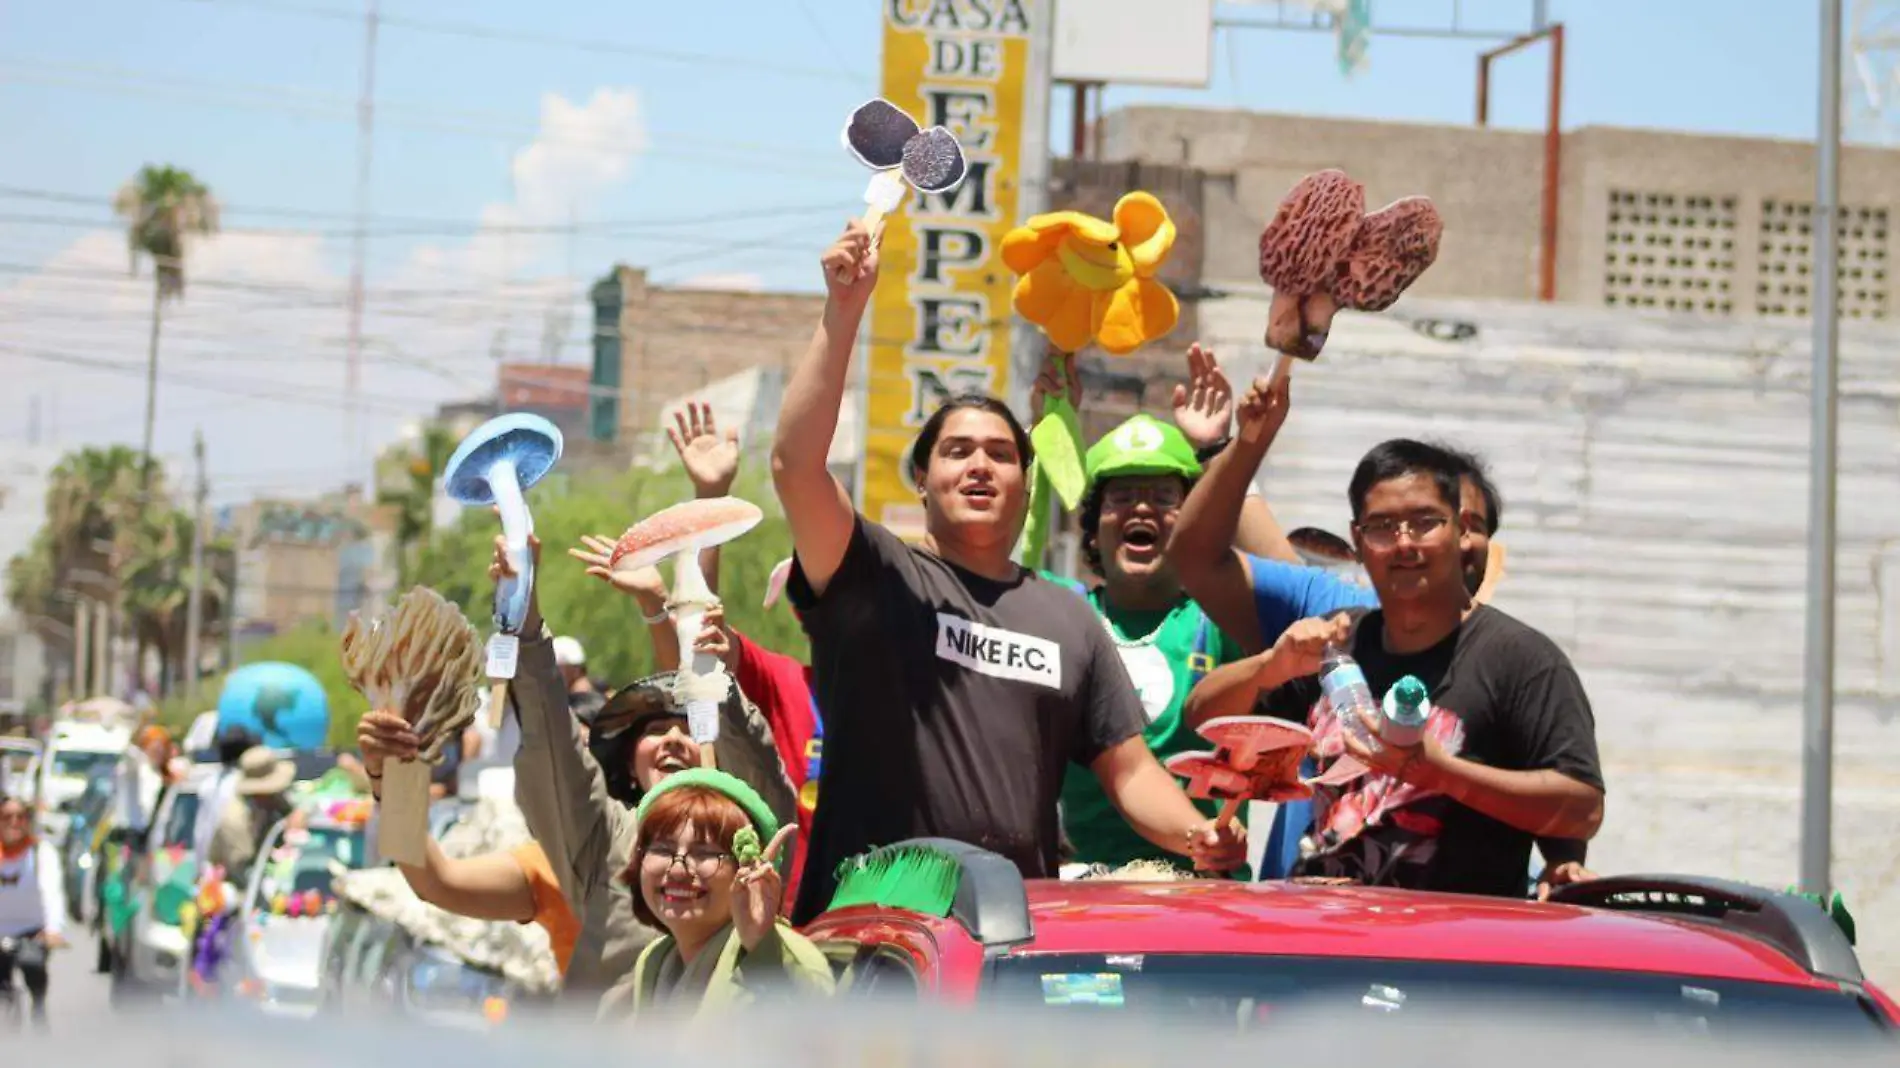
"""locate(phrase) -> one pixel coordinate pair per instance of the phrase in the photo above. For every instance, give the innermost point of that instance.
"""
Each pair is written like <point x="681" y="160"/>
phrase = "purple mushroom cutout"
<point x="882" y="137"/>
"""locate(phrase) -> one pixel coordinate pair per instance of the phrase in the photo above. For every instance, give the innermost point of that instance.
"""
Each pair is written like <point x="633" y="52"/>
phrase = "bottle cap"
<point x="1409" y="691"/>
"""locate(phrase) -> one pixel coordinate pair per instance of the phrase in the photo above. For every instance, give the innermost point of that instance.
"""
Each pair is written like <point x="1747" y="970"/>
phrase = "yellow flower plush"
<point x="1084" y="279"/>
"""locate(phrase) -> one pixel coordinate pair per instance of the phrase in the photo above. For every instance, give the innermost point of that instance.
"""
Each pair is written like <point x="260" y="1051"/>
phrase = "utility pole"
<point x="82" y="648"/>
<point x="365" y="150"/>
<point x="1817" y="728"/>
<point x="194" y="608"/>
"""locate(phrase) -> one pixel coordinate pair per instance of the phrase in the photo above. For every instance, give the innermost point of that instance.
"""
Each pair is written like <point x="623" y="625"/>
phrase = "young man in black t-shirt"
<point x="957" y="686"/>
<point x="1511" y="754"/>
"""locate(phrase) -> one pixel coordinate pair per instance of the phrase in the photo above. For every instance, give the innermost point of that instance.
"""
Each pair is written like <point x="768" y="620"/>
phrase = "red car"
<point x="1709" y="954"/>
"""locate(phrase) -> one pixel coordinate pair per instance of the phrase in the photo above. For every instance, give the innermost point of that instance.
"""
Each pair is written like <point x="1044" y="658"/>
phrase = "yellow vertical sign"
<point x="940" y="322"/>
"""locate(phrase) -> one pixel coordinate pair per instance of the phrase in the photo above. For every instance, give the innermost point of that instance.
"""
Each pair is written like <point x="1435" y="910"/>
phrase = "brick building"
<point x="653" y="342"/>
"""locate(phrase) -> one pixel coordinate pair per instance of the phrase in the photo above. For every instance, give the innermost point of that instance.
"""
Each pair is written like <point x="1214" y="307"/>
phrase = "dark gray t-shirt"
<point x="953" y="704"/>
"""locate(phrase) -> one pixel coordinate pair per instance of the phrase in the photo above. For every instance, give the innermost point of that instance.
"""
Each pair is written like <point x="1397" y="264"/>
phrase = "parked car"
<point x="79" y="857"/>
<point x="273" y="956"/>
<point x="373" y="967"/>
<point x="143" y="908"/>
<point x="74" y="753"/>
<point x="1711" y="955"/>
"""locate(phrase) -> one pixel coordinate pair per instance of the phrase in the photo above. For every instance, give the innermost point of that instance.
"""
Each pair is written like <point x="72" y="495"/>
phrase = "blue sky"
<point x="723" y="109"/>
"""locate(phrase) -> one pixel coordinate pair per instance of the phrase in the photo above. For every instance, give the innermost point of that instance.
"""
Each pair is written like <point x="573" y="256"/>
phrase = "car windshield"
<point x="80" y="763"/>
<point x="1252" y="989"/>
<point x="299" y="865"/>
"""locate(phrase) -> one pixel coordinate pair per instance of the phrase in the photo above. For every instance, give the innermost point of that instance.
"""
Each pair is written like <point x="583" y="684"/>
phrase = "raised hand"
<point x="644" y="583"/>
<point x="500" y="567"/>
<point x="850" y="266"/>
<point x="1263" y="410"/>
<point x="711" y="459"/>
<point x="1204" y="406"/>
<point x="758" y="891"/>
<point x="714" y="639"/>
<point x="385" y="735"/>
<point x="1050" y="382"/>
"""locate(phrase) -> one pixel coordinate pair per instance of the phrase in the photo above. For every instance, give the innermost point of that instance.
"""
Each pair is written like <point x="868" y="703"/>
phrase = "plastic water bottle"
<point x="1345" y="688"/>
<point x="1407" y="706"/>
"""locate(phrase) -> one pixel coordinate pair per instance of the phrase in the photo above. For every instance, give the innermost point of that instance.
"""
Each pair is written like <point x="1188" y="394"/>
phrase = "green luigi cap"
<point x="748" y="799"/>
<point x="1143" y="445"/>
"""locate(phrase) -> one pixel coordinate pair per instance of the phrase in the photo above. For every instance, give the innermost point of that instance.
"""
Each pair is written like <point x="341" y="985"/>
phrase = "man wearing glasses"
<point x="1511" y="753"/>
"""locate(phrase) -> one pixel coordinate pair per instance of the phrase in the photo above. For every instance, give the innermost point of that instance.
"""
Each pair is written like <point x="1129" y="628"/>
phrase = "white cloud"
<point x="731" y="281"/>
<point x="266" y="314"/>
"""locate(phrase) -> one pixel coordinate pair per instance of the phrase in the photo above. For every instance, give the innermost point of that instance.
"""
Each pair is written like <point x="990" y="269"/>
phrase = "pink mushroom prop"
<point x="1255" y="759"/>
<point x="1322" y="252"/>
<point x="679" y="533"/>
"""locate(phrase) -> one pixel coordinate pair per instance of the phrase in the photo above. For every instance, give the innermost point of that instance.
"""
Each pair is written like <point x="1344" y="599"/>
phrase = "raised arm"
<point x="816" y="507"/>
<point x="711" y="460"/>
<point x="1204" y="410"/>
<point x="561" y="791"/>
<point x="645" y="586"/>
<point x="1201" y="548"/>
<point x="488" y="887"/>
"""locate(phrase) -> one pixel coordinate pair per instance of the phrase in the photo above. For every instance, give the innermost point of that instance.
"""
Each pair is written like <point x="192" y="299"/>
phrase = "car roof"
<point x="1290" y="919"/>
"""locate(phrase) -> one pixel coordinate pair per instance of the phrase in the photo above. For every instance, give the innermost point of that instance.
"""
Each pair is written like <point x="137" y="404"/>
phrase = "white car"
<point x="19" y="768"/>
<point x="75" y="752"/>
<point x="274" y="956"/>
<point x="150" y="954"/>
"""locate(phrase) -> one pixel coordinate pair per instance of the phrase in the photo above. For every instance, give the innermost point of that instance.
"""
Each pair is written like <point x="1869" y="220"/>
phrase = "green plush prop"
<point x="1057" y="470"/>
<point x="745" y="846"/>
<point x="910" y="877"/>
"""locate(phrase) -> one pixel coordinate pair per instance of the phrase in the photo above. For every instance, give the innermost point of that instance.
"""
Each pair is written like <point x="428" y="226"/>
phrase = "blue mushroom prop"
<point x="282" y="704"/>
<point x="493" y="465"/>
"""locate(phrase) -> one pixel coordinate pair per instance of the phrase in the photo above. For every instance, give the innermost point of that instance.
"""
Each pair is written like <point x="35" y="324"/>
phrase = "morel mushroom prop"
<point x="882" y="137"/>
<point x="1255" y="759"/>
<point x="680" y="532"/>
<point x="421" y="662"/>
<point x="1322" y="252"/>
<point x="493" y="466"/>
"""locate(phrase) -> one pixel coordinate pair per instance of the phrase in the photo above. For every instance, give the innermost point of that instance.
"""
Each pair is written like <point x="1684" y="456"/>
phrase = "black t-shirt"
<point x="953" y="705"/>
<point x="1521" y="707"/>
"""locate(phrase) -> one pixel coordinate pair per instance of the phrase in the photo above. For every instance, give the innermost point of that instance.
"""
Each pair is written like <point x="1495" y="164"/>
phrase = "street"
<point x="76" y="997"/>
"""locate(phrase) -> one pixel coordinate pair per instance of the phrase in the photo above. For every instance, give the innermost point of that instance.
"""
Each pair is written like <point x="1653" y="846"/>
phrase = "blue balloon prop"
<point x="493" y="465"/>
<point x="281" y="703"/>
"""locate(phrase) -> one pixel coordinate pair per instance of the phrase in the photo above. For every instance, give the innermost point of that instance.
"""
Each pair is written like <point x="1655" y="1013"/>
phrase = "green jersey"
<point x="1166" y="653"/>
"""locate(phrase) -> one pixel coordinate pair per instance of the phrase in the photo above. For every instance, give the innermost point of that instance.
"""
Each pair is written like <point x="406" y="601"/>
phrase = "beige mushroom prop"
<point x="681" y="532"/>
<point x="423" y="661"/>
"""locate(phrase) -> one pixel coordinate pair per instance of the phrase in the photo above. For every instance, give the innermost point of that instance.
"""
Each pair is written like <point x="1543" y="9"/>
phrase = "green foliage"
<point x="313" y="647"/>
<point x="575" y="603"/>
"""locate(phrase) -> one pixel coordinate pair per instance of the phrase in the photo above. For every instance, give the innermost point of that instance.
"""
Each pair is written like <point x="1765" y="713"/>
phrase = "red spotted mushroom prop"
<point x="1322" y="252"/>
<point x="680" y="532"/>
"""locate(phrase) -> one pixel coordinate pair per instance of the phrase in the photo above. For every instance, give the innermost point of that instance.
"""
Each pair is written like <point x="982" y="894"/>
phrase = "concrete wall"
<point x="1652" y="219"/>
<point x="1654" y="475"/>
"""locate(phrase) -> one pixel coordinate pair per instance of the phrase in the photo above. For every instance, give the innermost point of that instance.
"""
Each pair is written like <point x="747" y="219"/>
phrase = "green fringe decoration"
<point x="1836" y="910"/>
<point x="914" y="878"/>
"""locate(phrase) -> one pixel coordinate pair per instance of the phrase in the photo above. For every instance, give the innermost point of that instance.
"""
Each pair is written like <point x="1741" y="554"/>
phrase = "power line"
<point x="505" y="35"/>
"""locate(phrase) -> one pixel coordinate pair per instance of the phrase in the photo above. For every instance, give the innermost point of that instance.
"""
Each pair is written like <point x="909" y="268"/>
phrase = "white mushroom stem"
<point x="702" y="683"/>
<point x="516" y="522"/>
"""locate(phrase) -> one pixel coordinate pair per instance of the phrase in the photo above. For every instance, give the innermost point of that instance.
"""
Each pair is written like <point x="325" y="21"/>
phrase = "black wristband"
<point x="1206" y="453"/>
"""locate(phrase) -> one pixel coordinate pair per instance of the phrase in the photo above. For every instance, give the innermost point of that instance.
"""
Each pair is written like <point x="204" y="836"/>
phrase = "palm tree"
<point x="162" y="206"/>
<point x="413" y="494"/>
<point x="157" y="587"/>
<point x="93" y="520"/>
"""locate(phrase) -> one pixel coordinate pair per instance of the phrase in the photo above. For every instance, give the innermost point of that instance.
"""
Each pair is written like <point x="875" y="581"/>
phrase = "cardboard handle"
<point x="497" y="703"/>
<point x="402" y="828"/>
<point x="706" y="758"/>
<point x="1230" y="809"/>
